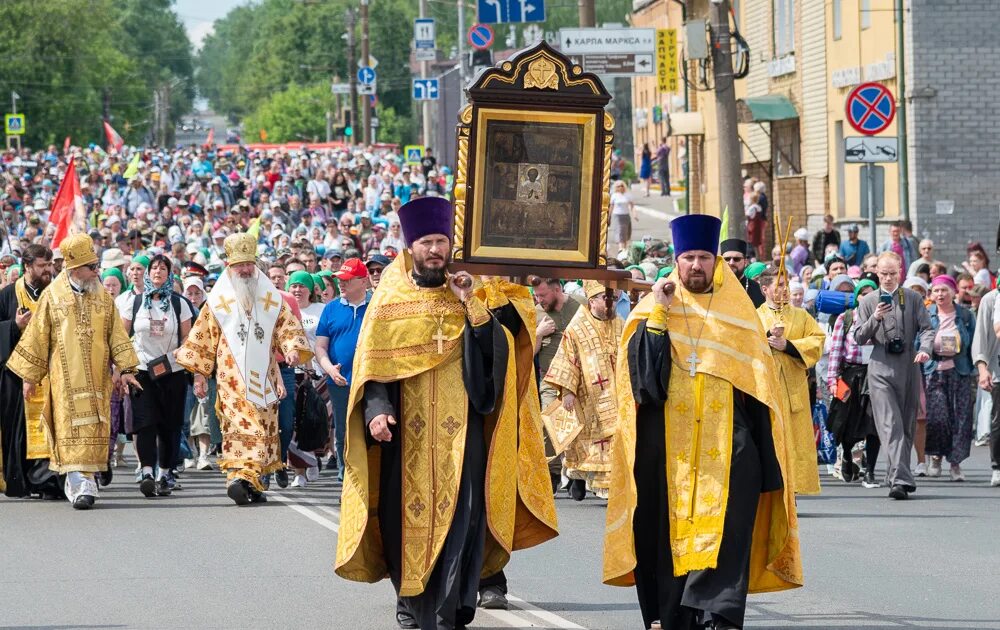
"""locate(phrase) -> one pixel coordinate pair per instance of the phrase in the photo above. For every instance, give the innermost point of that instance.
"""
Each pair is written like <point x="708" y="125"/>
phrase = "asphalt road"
<point x="193" y="560"/>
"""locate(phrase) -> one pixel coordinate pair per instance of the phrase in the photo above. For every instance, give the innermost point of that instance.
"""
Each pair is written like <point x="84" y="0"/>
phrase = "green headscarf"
<point x="319" y="281"/>
<point x="862" y="285"/>
<point x="664" y="272"/>
<point x="117" y="274"/>
<point x="301" y="277"/>
<point x="755" y="269"/>
<point x="142" y="259"/>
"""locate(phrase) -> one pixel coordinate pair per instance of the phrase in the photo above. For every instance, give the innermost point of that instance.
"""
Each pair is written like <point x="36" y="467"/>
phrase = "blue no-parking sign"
<point x="870" y="108"/>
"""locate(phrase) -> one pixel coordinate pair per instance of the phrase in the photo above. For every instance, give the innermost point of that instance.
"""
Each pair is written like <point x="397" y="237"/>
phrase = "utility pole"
<point x="904" y="167"/>
<point x="461" y="51"/>
<point x="425" y="106"/>
<point x="587" y="17"/>
<point x="366" y="107"/>
<point x="352" y="77"/>
<point x="730" y="188"/>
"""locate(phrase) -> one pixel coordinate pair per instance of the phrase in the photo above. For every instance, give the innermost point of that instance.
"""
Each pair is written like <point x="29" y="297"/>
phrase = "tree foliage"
<point x="297" y="113"/>
<point x="62" y="57"/>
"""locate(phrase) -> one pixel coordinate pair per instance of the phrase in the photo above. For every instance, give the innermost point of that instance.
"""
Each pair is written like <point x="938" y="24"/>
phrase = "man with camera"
<point x="895" y="321"/>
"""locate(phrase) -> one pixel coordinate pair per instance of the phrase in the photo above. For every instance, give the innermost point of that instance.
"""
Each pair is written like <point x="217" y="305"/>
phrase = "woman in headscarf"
<point x="114" y="283"/>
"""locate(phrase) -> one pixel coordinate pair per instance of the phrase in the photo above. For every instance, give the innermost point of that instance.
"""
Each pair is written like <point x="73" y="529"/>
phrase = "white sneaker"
<point x="995" y="479"/>
<point x="957" y="474"/>
<point x="299" y="482"/>
<point x="920" y="470"/>
<point x="312" y="473"/>
<point x="934" y="468"/>
<point x="203" y="463"/>
<point x="189" y="463"/>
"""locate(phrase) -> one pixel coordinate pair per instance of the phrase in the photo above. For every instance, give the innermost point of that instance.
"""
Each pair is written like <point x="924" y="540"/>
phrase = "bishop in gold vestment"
<point x="698" y="514"/>
<point x="796" y="342"/>
<point x="230" y="340"/>
<point x="74" y="336"/>
<point x="584" y="372"/>
<point x="435" y="492"/>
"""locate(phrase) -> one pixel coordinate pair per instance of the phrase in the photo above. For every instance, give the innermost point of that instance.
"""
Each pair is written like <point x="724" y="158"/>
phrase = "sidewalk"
<point x="656" y="205"/>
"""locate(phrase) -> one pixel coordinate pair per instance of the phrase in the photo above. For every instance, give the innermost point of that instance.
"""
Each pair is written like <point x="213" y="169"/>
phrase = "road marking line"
<point x="652" y="212"/>
<point x="306" y="512"/>
<point x="545" y="615"/>
<point x="512" y="619"/>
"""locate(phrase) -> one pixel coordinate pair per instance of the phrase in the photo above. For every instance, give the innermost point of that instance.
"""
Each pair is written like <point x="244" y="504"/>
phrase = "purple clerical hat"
<point x="427" y="215"/>
<point x="695" y="231"/>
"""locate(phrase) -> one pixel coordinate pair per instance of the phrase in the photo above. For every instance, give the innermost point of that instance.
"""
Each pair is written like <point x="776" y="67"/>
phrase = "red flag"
<point x="66" y="146"/>
<point x="67" y="207"/>
<point x="114" y="140"/>
<point x="210" y="140"/>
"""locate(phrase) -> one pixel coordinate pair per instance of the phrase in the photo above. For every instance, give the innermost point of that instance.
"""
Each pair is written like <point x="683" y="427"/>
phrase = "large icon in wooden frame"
<point x="533" y="176"/>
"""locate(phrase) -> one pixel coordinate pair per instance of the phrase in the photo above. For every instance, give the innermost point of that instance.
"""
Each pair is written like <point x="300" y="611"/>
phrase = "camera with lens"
<point x="895" y="346"/>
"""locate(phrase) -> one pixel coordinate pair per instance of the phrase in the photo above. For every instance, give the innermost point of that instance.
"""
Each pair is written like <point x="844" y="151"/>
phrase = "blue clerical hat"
<point x="426" y="215"/>
<point x="695" y="231"/>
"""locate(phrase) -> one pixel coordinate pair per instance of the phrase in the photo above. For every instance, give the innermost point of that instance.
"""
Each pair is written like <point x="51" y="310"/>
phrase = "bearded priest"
<point x="431" y="490"/>
<point x="699" y="513"/>
<point x="74" y="335"/>
<point x="244" y="325"/>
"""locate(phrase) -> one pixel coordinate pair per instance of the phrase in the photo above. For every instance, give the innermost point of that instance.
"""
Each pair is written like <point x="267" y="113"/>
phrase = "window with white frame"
<point x="783" y="15"/>
<point x="838" y="29"/>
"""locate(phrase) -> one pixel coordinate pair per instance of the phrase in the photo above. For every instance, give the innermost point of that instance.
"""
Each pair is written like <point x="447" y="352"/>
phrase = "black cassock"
<point x="23" y="476"/>
<point x="753" y="289"/>
<point x="681" y="603"/>
<point x="449" y="600"/>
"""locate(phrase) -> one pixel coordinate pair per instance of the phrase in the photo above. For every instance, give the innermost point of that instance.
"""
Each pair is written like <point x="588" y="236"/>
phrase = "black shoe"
<point x="578" y="489"/>
<point x="105" y="476"/>
<point x="492" y="598"/>
<point x="147" y="486"/>
<point x="281" y="477"/>
<point x="239" y="492"/>
<point x="83" y="502"/>
<point x="898" y="492"/>
<point x="556" y="482"/>
<point x="406" y="620"/>
<point x="162" y="487"/>
<point x="257" y="497"/>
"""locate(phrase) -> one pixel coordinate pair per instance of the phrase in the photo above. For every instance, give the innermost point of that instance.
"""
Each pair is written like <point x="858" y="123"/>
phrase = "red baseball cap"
<point x="351" y="269"/>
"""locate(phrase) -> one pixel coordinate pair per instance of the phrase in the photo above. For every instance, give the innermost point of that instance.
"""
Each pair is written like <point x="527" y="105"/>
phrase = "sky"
<point x="198" y="16"/>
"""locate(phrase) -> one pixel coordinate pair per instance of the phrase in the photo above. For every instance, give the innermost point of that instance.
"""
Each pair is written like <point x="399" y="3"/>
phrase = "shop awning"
<point x="765" y="108"/>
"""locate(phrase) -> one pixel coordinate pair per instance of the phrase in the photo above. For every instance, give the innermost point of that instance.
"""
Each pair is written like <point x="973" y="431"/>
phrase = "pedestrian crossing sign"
<point x="14" y="124"/>
<point x="414" y="153"/>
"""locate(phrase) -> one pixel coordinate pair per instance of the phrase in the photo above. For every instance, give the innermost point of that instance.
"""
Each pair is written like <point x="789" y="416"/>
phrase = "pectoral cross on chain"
<point x="693" y="362"/>
<point x="439" y="335"/>
<point x="242" y="334"/>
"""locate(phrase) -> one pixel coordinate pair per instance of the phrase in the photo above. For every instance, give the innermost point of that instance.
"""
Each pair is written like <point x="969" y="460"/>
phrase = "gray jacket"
<point x="908" y="321"/>
<point x="984" y="342"/>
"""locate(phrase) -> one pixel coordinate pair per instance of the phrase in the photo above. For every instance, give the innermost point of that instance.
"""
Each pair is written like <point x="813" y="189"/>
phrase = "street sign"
<point x="367" y="89"/>
<point x="425" y="54"/>
<point x="666" y="60"/>
<point x="372" y="62"/>
<point x="481" y="36"/>
<point x="501" y="11"/>
<point x="581" y="41"/>
<point x="615" y="63"/>
<point x="869" y="149"/>
<point x="340" y="88"/>
<point x="876" y="176"/>
<point x="375" y="122"/>
<point x="423" y="33"/>
<point x="414" y="153"/>
<point x="870" y="108"/>
<point x="14" y="124"/>
<point x="425" y="90"/>
<point x="366" y="75"/>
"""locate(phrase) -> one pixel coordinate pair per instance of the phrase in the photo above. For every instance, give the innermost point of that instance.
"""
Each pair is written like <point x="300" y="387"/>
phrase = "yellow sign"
<point x="414" y="153"/>
<point x="667" y="78"/>
<point x="14" y="124"/>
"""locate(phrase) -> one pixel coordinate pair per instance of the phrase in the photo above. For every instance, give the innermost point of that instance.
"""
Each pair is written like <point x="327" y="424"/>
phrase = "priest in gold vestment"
<point x="435" y="386"/>
<point x="74" y="336"/>
<point x="796" y="341"/>
<point x="243" y="325"/>
<point x="583" y="371"/>
<point x="698" y="514"/>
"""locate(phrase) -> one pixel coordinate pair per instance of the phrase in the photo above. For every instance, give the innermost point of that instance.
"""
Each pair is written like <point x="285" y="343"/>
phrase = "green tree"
<point x="297" y="113"/>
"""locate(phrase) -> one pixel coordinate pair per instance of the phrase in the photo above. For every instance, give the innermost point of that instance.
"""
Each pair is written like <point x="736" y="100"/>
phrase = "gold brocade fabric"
<point x="250" y="442"/>
<point x="535" y="519"/>
<point x="37" y="409"/>
<point x="585" y="366"/>
<point x="72" y="338"/>
<point x="805" y="334"/>
<point x="732" y="351"/>
<point x="414" y="336"/>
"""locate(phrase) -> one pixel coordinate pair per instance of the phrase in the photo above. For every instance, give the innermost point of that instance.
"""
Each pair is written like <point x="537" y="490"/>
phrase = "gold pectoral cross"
<point x="439" y="335"/>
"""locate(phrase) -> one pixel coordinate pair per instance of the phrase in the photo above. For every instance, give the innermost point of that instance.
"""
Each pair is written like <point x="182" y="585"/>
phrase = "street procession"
<point x="448" y="314"/>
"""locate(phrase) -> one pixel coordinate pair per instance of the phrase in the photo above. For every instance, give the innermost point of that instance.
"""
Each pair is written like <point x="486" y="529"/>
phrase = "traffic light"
<point x="348" y="132"/>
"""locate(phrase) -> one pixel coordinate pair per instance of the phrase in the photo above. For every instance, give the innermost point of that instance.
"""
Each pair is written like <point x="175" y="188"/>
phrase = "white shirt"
<point x="310" y="322"/>
<point x="155" y="331"/>
<point x="620" y="203"/>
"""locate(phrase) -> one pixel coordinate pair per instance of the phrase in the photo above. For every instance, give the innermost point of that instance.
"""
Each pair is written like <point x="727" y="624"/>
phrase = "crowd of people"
<point x="276" y="314"/>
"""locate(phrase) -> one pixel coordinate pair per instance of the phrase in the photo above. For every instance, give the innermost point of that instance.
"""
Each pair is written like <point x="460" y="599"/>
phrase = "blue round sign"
<point x="481" y="36"/>
<point x="870" y="108"/>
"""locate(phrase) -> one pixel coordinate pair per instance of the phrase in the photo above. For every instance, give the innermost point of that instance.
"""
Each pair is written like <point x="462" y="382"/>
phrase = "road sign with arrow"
<point x="611" y="51"/>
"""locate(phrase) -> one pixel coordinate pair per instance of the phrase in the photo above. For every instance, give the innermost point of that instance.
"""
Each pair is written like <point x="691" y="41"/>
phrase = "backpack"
<point x="312" y="424"/>
<point x="175" y="303"/>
